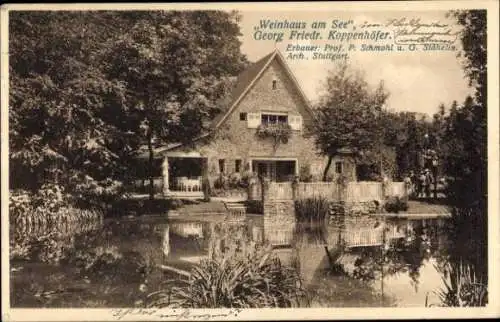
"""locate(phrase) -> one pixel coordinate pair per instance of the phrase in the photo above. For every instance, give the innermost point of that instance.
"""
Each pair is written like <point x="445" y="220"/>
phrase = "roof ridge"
<point x="250" y="75"/>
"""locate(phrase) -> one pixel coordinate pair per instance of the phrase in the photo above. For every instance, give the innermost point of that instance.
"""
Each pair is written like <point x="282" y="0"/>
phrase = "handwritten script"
<point x="415" y="31"/>
<point x="175" y="314"/>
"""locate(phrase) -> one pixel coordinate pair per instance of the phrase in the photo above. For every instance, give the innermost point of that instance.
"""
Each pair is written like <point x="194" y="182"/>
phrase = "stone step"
<point x="235" y="208"/>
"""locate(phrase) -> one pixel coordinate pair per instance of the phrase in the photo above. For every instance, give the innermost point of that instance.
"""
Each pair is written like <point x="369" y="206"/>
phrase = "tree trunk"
<point x="327" y="167"/>
<point x="151" y="165"/>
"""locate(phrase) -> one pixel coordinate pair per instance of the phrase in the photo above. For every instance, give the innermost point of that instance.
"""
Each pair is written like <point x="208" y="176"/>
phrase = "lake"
<point x="355" y="262"/>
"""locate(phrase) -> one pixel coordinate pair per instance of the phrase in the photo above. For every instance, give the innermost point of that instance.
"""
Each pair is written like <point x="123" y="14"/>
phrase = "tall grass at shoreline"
<point x="461" y="287"/>
<point x="312" y="210"/>
<point x="255" y="280"/>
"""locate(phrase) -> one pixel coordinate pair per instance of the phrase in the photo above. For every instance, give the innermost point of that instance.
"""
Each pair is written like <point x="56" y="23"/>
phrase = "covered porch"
<point x="183" y="174"/>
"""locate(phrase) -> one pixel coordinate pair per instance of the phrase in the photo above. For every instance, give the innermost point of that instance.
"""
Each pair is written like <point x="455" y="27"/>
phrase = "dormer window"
<point x="275" y="84"/>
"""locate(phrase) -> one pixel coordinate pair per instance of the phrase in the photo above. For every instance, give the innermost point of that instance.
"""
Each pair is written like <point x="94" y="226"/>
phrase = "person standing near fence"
<point x="428" y="182"/>
<point x="421" y="185"/>
<point x="408" y="185"/>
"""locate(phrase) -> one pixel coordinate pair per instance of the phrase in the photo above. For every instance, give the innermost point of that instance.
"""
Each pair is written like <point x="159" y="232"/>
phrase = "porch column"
<point x="165" y="175"/>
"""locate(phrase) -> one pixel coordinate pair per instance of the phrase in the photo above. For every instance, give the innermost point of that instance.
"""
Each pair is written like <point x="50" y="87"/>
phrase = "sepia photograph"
<point x="194" y="162"/>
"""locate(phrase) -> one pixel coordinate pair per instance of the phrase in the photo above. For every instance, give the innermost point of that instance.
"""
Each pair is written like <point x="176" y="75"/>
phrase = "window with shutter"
<point x="253" y="120"/>
<point x="295" y="122"/>
<point x="299" y="123"/>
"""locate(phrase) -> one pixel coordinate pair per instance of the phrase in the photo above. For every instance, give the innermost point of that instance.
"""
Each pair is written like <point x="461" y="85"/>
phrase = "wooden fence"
<point x="326" y="190"/>
<point x="353" y="191"/>
<point x="364" y="191"/>
<point x="280" y="190"/>
<point x="396" y="189"/>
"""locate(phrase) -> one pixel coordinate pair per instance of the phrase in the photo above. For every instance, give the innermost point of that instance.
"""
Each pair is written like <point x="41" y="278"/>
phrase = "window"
<point x="222" y="165"/>
<point x="274" y="119"/>
<point x="243" y="116"/>
<point x="339" y="167"/>
<point x="237" y="165"/>
<point x="275" y="83"/>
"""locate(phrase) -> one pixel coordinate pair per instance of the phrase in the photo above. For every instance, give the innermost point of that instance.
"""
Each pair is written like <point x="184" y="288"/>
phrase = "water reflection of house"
<point x="257" y="234"/>
<point x="279" y="236"/>
<point x="187" y="229"/>
<point x="193" y="241"/>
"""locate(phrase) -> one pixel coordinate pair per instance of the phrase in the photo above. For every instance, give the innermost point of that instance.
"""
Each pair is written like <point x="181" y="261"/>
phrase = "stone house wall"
<point x="235" y="141"/>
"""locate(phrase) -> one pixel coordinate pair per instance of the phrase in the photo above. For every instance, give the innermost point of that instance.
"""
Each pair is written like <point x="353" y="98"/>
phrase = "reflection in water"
<point x="393" y="257"/>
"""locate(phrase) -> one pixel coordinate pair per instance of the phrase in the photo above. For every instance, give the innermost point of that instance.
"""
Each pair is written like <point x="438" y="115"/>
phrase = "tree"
<point x="88" y="88"/>
<point x="60" y="102"/>
<point x="175" y="66"/>
<point x="465" y="131"/>
<point x="464" y="138"/>
<point x="344" y="117"/>
<point x="474" y="50"/>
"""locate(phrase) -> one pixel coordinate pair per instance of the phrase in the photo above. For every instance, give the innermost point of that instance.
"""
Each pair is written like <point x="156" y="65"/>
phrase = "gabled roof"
<point x="248" y="78"/>
<point x="243" y="81"/>
<point x="243" y="84"/>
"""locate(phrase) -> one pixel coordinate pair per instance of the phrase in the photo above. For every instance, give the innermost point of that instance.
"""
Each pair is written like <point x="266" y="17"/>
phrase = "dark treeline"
<point x="87" y="89"/>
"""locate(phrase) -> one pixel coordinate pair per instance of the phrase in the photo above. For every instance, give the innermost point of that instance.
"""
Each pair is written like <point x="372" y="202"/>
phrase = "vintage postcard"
<point x="307" y="160"/>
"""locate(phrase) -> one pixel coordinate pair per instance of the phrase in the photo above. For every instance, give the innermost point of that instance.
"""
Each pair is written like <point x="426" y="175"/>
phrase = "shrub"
<point x="312" y="209"/>
<point x="257" y="280"/>
<point x="20" y="202"/>
<point x="395" y="205"/>
<point x="175" y="204"/>
<point x="125" y="207"/>
<point x="221" y="182"/>
<point x="49" y="199"/>
<point x="88" y="192"/>
<point x="234" y="181"/>
<point x="245" y="179"/>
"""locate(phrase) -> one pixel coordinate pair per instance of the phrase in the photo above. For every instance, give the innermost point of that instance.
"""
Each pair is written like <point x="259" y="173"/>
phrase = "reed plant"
<point x="255" y="280"/>
<point x="461" y="287"/>
<point x="312" y="210"/>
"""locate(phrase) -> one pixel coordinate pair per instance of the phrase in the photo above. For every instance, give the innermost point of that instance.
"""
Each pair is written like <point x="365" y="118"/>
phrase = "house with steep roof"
<point x="263" y="131"/>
